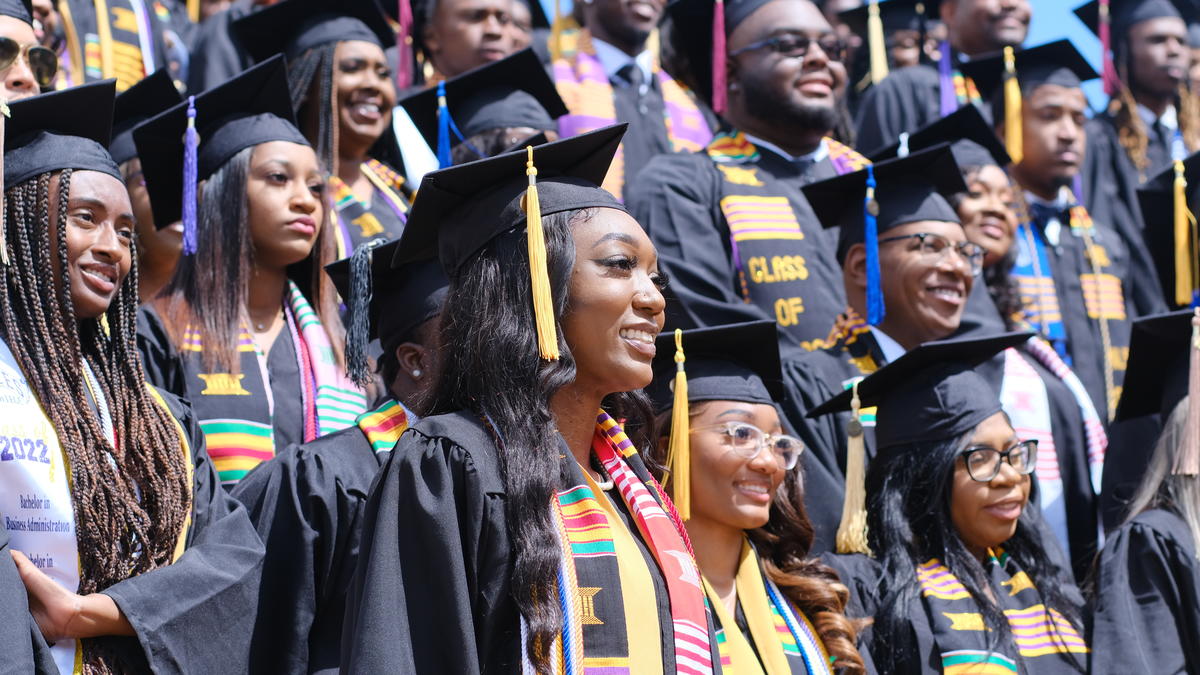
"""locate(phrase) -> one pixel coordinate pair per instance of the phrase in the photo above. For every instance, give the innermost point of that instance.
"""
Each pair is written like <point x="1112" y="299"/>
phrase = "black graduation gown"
<point x="216" y="54"/>
<point x="196" y="615"/>
<point x="1147" y="605"/>
<point x="646" y="136"/>
<point x="677" y="200"/>
<point x="21" y="641"/>
<point x="904" y="101"/>
<point x="307" y="504"/>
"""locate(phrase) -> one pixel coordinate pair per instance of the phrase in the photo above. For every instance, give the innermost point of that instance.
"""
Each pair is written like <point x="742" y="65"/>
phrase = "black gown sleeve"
<point x="196" y="615"/>
<point x="906" y="100"/>
<point x="22" y="646"/>
<point x="160" y="360"/>
<point x="1147" y="604"/>
<point x="306" y="504"/>
<point x="676" y="201"/>
<point x="431" y="591"/>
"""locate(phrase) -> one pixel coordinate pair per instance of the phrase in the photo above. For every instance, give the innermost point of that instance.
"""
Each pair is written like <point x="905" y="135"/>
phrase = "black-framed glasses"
<point x="796" y="46"/>
<point x="983" y="463"/>
<point x="748" y="440"/>
<point x="936" y="248"/>
<point x="43" y="62"/>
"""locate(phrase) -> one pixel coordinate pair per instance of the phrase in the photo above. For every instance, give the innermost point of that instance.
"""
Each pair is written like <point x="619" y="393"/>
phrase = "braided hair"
<point x="1131" y="129"/>
<point x="131" y="500"/>
<point x="310" y="79"/>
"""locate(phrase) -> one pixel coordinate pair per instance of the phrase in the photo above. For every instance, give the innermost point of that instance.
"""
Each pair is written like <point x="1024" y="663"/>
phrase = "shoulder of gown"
<point x="431" y="590"/>
<point x="901" y="102"/>
<point x="307" y="504"/>
<point x="1147" y="606"/>
<point x="211" y="589"/>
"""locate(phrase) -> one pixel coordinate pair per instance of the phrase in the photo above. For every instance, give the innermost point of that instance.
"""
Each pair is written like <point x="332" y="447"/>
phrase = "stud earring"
<point x="416" y="372"/>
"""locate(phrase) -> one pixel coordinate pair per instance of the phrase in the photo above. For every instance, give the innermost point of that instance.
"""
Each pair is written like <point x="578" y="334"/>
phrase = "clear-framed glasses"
<point x="983" y="463"/>
<point x="796" y="46"/>
<point x="936" y="248"/>
<point x="748" y="440"/>
<point x="43" y="62"/>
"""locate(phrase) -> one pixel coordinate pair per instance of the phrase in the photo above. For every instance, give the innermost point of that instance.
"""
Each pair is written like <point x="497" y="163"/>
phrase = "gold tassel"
<point x="852" y="532"/>
<point x="1013" y="139"/>
<point x="4" y="115"/>
<point x="876" y="43"/>
<point x="1187" y="461"/>
<point x="556" y="33"/>
<point x="1185" y="283"/>
<point x="543" y="303"/>
<point x="679" y="454"/>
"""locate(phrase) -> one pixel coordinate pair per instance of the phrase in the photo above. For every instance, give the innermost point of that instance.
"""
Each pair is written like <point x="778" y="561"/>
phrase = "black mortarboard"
<point x="699" y="34"/>
<point x="460" y="209"/>
<point x="1163" y="211"/>
<point x="252" y="108"/>
<point x="385" y="303"/>
<point x="293" y="27"/>
<point x="154" y="94"/>
<point x="1157" y="373"/>
<point x="18" y="9"/>
<point x="736" y="362"/>
<point x="1123" y="14"/>
<point x="48" y="133"/>
<point x="929" y="394"/>
<point x="1057" y="62"/>
<point x="972" y="139"/>
<point x="512" y="92"/>
<point x="895" y="15"/>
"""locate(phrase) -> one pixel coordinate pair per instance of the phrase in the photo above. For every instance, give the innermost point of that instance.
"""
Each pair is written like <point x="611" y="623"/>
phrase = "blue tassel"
<point x="443" y="140"/>
<point x="875" y="308"/>
<point x="191" y="144"/>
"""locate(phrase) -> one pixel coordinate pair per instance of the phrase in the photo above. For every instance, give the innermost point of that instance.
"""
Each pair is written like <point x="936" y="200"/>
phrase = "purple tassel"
<point x="949" y="98"/>
<point x="191" y="143"/>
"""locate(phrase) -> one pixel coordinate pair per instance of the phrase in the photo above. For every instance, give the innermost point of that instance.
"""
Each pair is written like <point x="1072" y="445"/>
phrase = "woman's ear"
<point x="413" y="360"/>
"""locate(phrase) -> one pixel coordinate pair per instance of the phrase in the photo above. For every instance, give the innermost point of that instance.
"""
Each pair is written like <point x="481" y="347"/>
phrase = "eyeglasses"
<point x="43" y="62"/>
<point x="936" y="248"/>
<point x="983" y="463"/>
<point x="796" y="46"/>
<point x="748" y="440"/>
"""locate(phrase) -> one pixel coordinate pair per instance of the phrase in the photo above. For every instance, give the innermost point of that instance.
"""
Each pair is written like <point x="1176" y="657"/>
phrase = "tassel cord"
<point x="191" y="145"/>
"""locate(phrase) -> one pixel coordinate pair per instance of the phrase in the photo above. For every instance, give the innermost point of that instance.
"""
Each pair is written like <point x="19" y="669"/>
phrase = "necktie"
<point x="632" y="74"/>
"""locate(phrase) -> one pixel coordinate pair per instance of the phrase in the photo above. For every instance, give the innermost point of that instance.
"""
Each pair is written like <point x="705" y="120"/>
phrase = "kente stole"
<point x="36" y="501"/>
<point x="588" y="95"/>
<point x="109" y="39"/>
<point x="954" y="89"/>
<point x="358" y="222"/>
<point x="846" y="342"/>
<point x="236" y="410"/>
<point x="764" y="228"/>
<point x="1043" y="642"/>
<point x="785" y="642"/>
<point x="384" y="425"/>
<point x="598" y="637"/>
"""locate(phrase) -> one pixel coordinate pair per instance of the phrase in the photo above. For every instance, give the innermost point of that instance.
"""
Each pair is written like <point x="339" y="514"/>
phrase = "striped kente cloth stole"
<point x="236" y="410"/>
<point x="1042" y="641"/>
<point x="785" y="642"/>
<point x="110" y="39"/>
<point x="596" y="638"/>
<point x="384" y="425"/>
<point x="357" y="222"/>
<point x="588" y="95"/>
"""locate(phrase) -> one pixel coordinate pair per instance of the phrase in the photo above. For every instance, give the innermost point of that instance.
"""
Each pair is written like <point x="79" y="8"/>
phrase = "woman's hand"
<point x="63" y="615"/>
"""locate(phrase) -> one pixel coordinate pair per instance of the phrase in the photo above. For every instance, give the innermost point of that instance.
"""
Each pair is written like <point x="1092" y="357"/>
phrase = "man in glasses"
<point x="912" y="97"/>
<point x="26" y="66"/>
<point x="730" y="223"/>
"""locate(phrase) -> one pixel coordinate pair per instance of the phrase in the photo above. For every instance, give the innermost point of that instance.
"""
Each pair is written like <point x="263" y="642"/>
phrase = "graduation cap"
<point x="1108" y="17"/>
<point x="871" y="201"/>
<point x="293" y="27"/>
<point x="1171" y="231"/>
<point x="971" y="139"/>
<point x="188" y="142"/>
<point x="385" y="303"/>
<point x="1159" y="354"/>
<point x="18" y="9"/>
<point x="874" y="20"/>
<point x="47" y="133"/>
<point x="930" y="394"/>
<point x="1022" y="71"/>
<point x="154" y="94"/>
<point x="736" y="362"/>
<point x="512" y="92"/>
<point x="460" y="209"/>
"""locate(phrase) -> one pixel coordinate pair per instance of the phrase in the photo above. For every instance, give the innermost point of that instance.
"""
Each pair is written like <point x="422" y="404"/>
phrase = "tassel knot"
<point x="852" y="532"/>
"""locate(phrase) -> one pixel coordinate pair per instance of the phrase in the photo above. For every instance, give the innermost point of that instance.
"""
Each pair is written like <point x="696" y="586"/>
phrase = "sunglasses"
<point x="43" y="62"/>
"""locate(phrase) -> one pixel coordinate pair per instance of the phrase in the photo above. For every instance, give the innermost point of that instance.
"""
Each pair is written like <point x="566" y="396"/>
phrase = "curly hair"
<point x="783" y="545"/>
<point x="130" y="501"/>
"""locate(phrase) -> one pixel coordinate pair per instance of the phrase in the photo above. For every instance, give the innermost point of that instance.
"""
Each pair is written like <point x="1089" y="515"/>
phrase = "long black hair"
<point x="908" y="522"/>
<point x="496" y="372"/>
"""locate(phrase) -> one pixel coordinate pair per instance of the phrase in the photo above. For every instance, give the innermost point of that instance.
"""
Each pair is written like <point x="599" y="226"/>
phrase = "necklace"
<point x="605" y="482"/>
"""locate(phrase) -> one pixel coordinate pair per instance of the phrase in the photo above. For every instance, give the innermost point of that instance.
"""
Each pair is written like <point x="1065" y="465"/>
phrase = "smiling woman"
<point x="343" y="95"/>
<point x="503" y="497"/>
